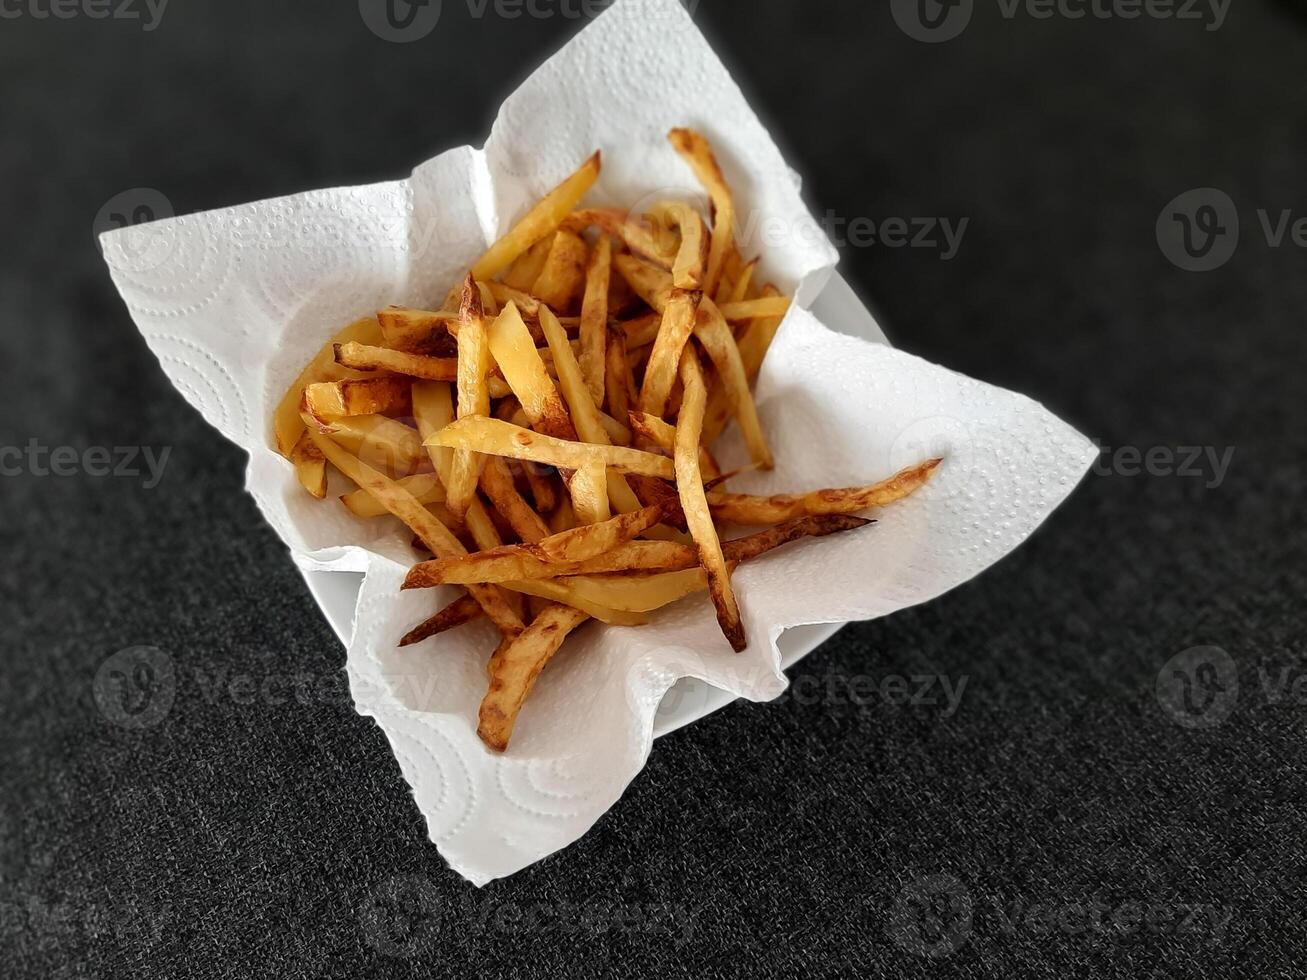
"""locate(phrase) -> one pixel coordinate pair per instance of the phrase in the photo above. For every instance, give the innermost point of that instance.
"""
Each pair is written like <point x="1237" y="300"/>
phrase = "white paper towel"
<point x="234" y="302"/>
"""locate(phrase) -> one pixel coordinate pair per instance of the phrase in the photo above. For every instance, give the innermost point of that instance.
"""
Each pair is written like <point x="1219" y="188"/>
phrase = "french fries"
<point x="565" y="401"/>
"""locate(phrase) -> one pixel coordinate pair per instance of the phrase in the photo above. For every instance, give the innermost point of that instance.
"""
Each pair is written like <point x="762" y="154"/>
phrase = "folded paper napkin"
<point x="234" y="302"/>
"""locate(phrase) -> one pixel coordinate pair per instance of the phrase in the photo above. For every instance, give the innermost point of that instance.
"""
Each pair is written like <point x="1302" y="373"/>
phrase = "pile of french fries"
<point x="547" y="434"/>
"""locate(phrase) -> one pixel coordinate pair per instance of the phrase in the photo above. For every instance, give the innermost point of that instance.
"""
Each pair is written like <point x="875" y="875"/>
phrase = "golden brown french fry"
<point x="637" y="235"/>
<point x="407" y="329"/>
<point x="697" y="152"/>
<point x="594" y="317"/>
<point x="642" y="331"/>
<point x="310" y="466"/>
<point x="425" y="487"/>
<point x="379" y="442"/>
<point x="498" y="484"/>
<point x="633" y="594"/>
<point x="515" y="670"/>
<point x="719" y="342"/>
<point x="578" y="597"/>
<point x="365" y="358"/>
<point x="747" y="510"/>
<point x="650" y="283"/>
<point x="473" y="393"/>
<point x="583" y="543"/>
<point x="561" y="280"/>
<point x="370" y="396"/>
<point x="751" y="309"/>
<point x="462" y="610"/>
<point x="519" y="360"/>
<point x="423" y="523"/>
<point x="526" y="268"/>
<point x="286" y="422"/>
<point x="619" y="385"/>
<point x="541" y="221"/>
<point x="589" y="491"/>
<point x="660" y="373"/>
<point x="688" y="267"/>
<point x="494" y="437"/>
<point x="689" y="484"/>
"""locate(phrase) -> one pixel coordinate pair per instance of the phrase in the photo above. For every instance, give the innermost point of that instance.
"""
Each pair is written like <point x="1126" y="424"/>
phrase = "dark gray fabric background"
<point x="242" y="838"/>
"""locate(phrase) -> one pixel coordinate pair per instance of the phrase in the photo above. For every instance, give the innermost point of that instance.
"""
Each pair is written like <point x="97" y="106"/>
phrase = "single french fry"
<point x="425" y="487"/>
<point x="688" y="267"/>
<point x="591" y="541"/>
<point x="660" y="373"/>
<point x="579" y="597"/>
<point x="719" y="342"/>
<point x="541" y="221"/>
<point x="636" y="593"/>
<point x="473" y="393"/>
<point x="498" y="484"/>
<point x="562" y="279"/>
<point x="751" y="309"/>
<point x="515" y="669"/>
<point x="594" y="317"/>
<point x="310" y="466"/>
<point x="287" y="424"/>
<point x="364" y="358"/>
<point x="370" y="396"/>
<point x="526" y="268"/>
<point x="758" y="336"/>
<point x="462" y="610"/>
<point x="637" y="235"/>
<point x="697" y="152"/>
<point x="619" y="385"/>
<point x="435" y="535"/>
<point x="494" y="437"/>
<point x="642" y="331"/>
<point x="747" y="510"/>
<point x="519" y="360"/>
<point x="689" y="484"/>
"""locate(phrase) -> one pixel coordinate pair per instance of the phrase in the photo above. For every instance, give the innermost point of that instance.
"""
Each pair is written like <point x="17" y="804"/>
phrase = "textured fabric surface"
<point x="1034" y="810"/>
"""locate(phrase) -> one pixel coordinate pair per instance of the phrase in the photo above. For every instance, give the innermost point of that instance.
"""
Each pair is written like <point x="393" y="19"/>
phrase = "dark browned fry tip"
<point x="596" y="159"/>
<point x="734" y="632"/>
<point x="493" y="740"/>
<point x="415" y="579"/>
<point x="470" y="302"/>
<point x="834" y="523"/>
<point x="932" y="464"/>
<point x="336" y="351"/>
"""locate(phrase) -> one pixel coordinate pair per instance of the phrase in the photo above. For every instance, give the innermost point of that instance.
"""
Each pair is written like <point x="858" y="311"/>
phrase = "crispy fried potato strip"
<point x="516" y="668"/>
<point x="719" y="342"/>
<point x="688" y="267"/>
<point x="697" y="152"/>
<point x="541" y="221"/>
<point x="370" y="396"/>
<point x="660" y="373"/>
<point x="562" y="279"/>
<point x="462" y="610"/>
<point x="519" y="360"/>
<point x="689" y="483"/>
<point x="745" y="510"/>
<point x="473" y="393"/>
<point x="497" y="438"/>
<point x="310" y="466"/>
<point x="594" y="317"/>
